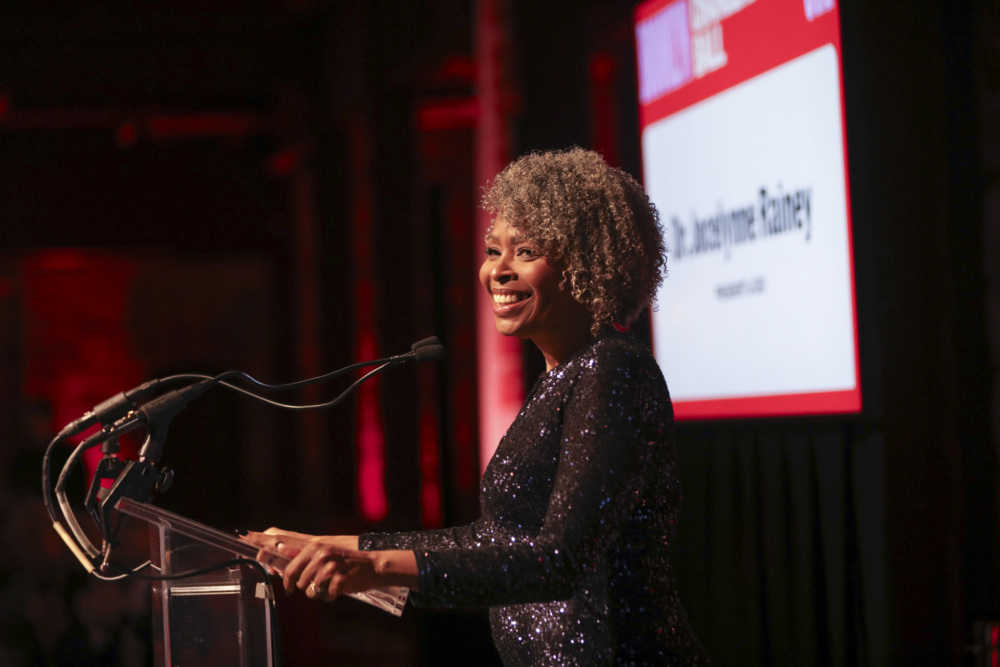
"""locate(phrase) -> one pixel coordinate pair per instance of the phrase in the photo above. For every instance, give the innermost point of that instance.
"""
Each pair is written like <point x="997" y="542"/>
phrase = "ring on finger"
<point x="313" y="589"/>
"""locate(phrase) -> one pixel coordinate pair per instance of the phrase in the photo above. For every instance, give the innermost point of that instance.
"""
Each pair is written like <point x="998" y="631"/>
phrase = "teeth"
<point x="504" y="299"/>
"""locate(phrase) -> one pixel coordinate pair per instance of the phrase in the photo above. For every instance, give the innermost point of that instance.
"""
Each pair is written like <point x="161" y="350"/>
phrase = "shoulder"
<point x="616" y="378"/>
<point x="616" y="350"/>
<point x="617" y="359"/>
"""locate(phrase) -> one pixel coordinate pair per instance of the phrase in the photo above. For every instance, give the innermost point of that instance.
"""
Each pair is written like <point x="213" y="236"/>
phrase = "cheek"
<point x="544" y="280"/>
<point x="484" y="274"/>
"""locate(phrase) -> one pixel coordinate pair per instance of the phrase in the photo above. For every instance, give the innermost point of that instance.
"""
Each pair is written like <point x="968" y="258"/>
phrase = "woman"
<point x="572" y="552"/>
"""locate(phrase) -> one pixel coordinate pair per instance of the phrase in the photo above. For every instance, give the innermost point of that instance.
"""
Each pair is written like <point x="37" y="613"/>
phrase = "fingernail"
<point x="242" y="533"/>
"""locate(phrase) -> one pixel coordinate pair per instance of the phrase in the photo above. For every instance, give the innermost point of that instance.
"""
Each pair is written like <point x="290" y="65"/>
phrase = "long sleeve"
<point x="612" y="418"/>
<point x="446" y="538"/>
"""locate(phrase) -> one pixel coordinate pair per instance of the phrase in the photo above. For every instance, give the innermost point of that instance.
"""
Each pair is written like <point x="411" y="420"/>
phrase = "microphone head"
<point x="433" y="340"/>
<point x="429" y="352"/>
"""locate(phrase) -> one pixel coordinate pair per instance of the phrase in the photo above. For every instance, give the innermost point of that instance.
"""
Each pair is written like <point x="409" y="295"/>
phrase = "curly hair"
<point x="593" y="220"/>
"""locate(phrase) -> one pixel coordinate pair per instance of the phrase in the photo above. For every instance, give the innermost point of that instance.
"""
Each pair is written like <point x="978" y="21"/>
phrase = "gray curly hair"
<point x="594" y="220"/>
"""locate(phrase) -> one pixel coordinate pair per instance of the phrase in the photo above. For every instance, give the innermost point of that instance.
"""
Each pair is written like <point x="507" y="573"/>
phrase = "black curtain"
<point x="781" y="551"/>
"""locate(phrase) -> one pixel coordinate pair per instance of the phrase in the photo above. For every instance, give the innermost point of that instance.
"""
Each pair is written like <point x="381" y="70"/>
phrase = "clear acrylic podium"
<point x="224" y="616"/>
<point x="221" y="617"/>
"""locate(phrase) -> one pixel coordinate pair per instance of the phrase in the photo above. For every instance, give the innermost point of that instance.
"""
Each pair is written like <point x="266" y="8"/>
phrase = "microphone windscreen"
<point x="433" y="340"/>
<point x="429" y="353"/>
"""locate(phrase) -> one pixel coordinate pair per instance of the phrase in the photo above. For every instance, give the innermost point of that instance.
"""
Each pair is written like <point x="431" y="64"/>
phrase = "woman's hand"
<point x="288" y="544"/>
<point x="327" y="566"/>
<point x="272" y="538"/>
<point x="325" y="571"/>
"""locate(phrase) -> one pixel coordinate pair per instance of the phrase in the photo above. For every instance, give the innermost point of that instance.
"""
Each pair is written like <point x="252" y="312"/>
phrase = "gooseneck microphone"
<point x="140" y="407"/>
<point x="111" y="410"/>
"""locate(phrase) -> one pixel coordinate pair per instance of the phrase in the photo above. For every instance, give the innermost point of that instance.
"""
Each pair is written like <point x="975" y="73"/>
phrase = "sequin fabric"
<point x="572" y="551"/>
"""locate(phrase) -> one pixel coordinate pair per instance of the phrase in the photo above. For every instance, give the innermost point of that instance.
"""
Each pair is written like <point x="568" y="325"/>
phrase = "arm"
<point x="613" y="420"/>
<point x="460" y="537"/>
<point x="372" y="560"/>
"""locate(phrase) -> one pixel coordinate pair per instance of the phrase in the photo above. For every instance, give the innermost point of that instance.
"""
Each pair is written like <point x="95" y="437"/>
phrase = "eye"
<point x="492" y="252"/>
<point x="526" y="251"/>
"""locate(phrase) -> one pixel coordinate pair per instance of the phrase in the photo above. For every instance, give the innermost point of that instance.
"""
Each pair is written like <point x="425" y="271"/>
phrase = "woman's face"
<point x="524" y="287"/>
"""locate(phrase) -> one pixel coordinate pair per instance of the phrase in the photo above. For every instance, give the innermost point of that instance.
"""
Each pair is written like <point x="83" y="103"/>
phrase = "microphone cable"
<point x="428" y="349"/>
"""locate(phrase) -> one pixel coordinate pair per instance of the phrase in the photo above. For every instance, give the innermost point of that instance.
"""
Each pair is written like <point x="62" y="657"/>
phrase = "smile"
<point x="506" y="298"/>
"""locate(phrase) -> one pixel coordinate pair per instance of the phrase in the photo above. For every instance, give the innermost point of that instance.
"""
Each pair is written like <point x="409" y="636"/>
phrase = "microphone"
<point x="157" y="414"/>
<point x="433" y="340"/>
<point x="110" y="410"/>
<point x="429" y="352"/>
<point x="428" y="349"/>
<point x="154" y="415"/>
<point x="137" y="479"/>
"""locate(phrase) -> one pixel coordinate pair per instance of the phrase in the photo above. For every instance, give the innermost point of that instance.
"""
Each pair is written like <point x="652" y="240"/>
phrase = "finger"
<point x="272" y="560"/>
<point x="317" y="591"/>
<point x="322" y="579"/>
<point x="287" y="550"/>
<point x="277" y="540"/>
<point x="316" y="561"/>
<point x="263" y="557"/>
<point x="269" y="538"/>
<point x="328" y="596"/>
<point x="319" y="586"/>
<point x="293" y="571"/>
<point x="263" y="540"/>
<point x="260" y="539"/>
<point x="289" y="536"/>
<point x="337" y="583"/>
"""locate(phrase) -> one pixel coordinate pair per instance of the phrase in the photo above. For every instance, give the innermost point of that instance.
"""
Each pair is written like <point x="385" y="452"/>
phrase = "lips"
<point x="507" y="301"/>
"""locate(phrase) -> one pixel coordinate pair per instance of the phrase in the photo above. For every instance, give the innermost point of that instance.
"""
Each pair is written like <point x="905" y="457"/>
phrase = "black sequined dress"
<point x="572" y="551"/>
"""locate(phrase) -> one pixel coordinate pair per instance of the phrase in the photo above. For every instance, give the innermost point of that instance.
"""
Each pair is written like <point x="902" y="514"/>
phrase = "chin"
<point x="509" y="331"/>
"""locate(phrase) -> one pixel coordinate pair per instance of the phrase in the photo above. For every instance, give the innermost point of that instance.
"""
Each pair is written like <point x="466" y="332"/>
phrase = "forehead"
<point x="505" y="230"/>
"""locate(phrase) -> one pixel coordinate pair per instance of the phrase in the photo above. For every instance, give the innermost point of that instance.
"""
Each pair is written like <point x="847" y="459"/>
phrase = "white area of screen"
<point x="797" y="335"/>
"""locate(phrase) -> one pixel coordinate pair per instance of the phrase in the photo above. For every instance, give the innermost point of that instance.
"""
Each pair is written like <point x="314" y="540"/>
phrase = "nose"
<point x="502" y="273"/>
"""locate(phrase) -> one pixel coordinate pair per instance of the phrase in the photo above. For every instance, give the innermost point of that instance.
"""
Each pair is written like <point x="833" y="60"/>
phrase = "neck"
<point x="561" y="348"/>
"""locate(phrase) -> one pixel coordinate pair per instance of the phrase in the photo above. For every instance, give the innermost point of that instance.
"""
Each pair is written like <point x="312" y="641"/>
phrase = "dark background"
<point x="267" y="185"/>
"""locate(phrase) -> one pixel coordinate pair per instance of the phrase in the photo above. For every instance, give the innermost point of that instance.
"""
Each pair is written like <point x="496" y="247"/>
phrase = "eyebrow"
<point x="514" y="240"/>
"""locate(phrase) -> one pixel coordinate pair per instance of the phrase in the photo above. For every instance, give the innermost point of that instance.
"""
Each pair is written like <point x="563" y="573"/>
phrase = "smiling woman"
<point x="528" y="300"/>
<point x="594" y="221"/>
<point x="572" y="551"/>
